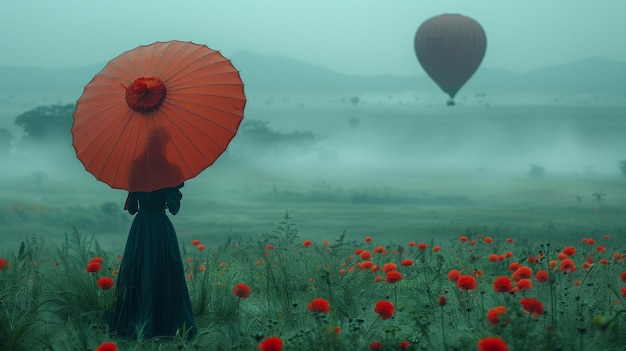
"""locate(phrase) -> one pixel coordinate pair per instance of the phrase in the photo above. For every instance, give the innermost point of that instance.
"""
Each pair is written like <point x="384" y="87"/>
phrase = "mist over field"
<point x="399" y="165"/>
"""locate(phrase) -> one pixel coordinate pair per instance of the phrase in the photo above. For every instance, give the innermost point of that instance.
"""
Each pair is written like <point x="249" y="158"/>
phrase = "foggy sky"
<point x="362" y="37"/>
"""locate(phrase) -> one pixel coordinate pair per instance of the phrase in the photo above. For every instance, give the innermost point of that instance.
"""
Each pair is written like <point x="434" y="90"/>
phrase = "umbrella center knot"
<point x="145" y="94"/>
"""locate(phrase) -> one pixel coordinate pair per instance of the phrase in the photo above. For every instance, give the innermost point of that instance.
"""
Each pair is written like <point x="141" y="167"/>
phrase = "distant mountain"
<point x="263" y="73"/>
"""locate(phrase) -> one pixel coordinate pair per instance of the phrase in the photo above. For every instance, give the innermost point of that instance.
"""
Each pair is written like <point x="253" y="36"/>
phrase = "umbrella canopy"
<point x="158" y="115"/>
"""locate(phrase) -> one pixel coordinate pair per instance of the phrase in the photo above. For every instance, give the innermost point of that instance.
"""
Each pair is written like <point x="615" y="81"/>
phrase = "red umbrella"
<point x="158" y="115"/>
<point x="450" y="48"/>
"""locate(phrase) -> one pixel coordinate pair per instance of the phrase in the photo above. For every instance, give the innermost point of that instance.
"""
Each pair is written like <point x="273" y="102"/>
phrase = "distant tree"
<point x="355" y="100"/>
<point x="45" y="122"/>
<point x="536" y="171"/>
<point x="622" y="167"/>
<point x="598" y="196"/>
<point x="259" y="137"/>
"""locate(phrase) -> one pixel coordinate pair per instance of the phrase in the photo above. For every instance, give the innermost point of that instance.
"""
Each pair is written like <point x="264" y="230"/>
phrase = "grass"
<point x="50" y="302"/>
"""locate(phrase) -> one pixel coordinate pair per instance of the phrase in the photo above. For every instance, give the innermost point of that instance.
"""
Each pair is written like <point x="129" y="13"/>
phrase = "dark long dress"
<point x="152" y="295"/>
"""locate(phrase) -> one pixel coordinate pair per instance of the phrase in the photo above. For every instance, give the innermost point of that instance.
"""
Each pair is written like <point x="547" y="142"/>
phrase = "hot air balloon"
<point x="450" y="47"/>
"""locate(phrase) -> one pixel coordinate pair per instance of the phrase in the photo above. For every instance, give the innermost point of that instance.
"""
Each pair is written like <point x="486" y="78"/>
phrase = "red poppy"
<point x="622" y="276"/>
<point x="422" y="246"/>
<point x="441" y="301"/>
<point x="96" y="259"/>
<point x="531" y="305"/>
<point x="107" y="346"/>
<point x="522" y="272"/>
<point x="466" y="282"/>
<point x="524" y="284"/>
<point x="389" y="267"/>
<point x="502" y="284"/>
<point x="436" y="248"/>
<point x="195" y="242"/>
<point x="454" y="275"/>
<point x="463" y="238"/>
<point x="326" y="243"/>
<point x="488" y="240"/>
<point x="384" y="309"/>
<point x="365" y="255"/>
<point x="407" y="262"/>
<point x="404" y="345"/>
<point x="4" y="264"/>
<point x="624" y="291"/>
<point x="567" y="266"/>
<point x="411" y="243"/>
<point x="105" y="283"/>
<point x="590" y="241"/>
<point x="272" y="343"/>
<point x="368" y="239"/>
<point x="319" y="305"/>
<point x="94" y="266"/>
<point x="493" y="315"/>
<point x="366" y="265"/>
<point x="541" y="276"/>
<point x="307" y="243"/>
<point x="492" y="343"/>
<point x="241" y="290"/>
<point x="601" y="248"/>
<point x="380" y="250"/>
<point x="376" y="346"/>
<point x="509" y="241"/>
<point x="493" y="258"/>
<point x="569" y="251"/>
<point x="393" y="277"/>
<point x="513" y="266"/>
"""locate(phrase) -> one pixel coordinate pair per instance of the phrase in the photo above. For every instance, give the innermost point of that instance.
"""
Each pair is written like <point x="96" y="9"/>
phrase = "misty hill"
<point x="263" y="73"/>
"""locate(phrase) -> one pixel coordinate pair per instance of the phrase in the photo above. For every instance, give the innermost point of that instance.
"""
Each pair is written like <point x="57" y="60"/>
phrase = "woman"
<point x="152" y="296"/>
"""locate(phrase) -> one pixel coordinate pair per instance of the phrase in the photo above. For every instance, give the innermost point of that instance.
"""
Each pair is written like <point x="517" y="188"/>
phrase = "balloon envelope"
<point x="450" y="47"/>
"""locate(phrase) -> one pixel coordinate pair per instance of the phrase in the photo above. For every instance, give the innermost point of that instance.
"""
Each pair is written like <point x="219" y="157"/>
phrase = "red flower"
<point x="493" y="315"/>
<point x="569" y="251"/>
<point x="105" y="283"/>
<point x="436" y="248"/>
<point x="567" y="266"/>
<point x="380" y="250"/>
<point x="454" y="275"/>
<point x="319" y="305"/>
<point x="195" y="242"/>
<point x="441" y="301"/>
<point x="492" y="343"/>
<point x="502" y="284"/>
<point x="624" y="291"/>
<point x="107" y="346"/>
<point x="463" y="238"/>
<point x="376" y="345"/>
<point x="368" y="239"/>
<point x="307" y="243"/>
<point x="509" y="241"/>
<point x="524" y="284"/>
<point x="200" y="247"/>
<point x="96" y="259"/>
<point x="384" y="309"/>
<point x="94" y="266"/>
<point x="404" y="345"/>
<point x="466" y="282"/>
<point x="272" y="343"/>
<point x="393" y="277"/>
<point x="514" y="266"/>
<point x="241" y="290"/>
<point x="493" y="258"/>
<point x="541" y="276"/>
<point x="407" y="262"/>
<point x="4" y="263"/>
<point x="365" y="255"/>
<point x="622" y="276"/>
<point x="422" y="246"/>
<point x="522" y="272"/>
<point x="388" y="267"/>
<point x="531" y="305"/>
<point x="488" y="240"/>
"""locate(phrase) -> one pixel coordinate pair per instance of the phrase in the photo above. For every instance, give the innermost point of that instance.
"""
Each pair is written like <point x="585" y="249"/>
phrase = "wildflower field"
<point x="281" y="291"/>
